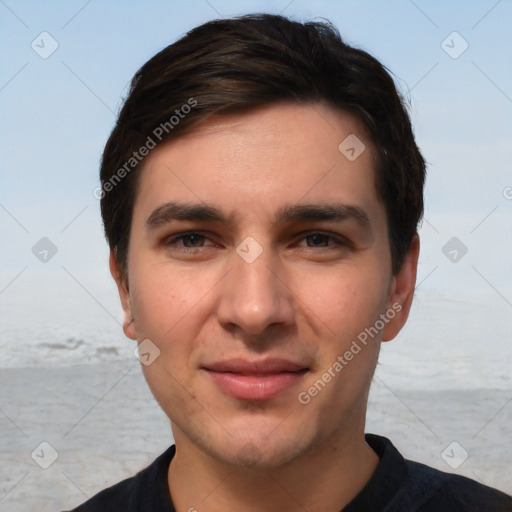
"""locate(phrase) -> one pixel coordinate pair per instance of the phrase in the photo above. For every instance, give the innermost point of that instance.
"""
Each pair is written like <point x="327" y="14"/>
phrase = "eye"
<point x="187" y="242"/>
<point x="324" y="240"/>
<point x="195" y="242"/>
<point x="318" y="239"/>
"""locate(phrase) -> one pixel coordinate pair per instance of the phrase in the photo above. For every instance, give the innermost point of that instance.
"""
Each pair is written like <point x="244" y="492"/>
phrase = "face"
<point x="258" y="261"/>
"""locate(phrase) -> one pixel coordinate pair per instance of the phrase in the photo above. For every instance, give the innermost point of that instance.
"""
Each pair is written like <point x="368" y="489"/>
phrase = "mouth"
<point x="257" y="380"/>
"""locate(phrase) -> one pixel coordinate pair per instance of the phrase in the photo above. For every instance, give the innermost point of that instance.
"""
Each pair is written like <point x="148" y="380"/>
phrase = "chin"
<point x="262" y="455"/>
<point x="257" y="444"/>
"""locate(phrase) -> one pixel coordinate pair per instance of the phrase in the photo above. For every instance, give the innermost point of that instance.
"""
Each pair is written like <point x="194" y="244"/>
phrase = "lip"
<point x="255" y="380"/>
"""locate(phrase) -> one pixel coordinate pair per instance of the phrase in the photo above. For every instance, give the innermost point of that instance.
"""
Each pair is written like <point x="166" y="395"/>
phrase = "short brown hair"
<point x="240" y="64"/>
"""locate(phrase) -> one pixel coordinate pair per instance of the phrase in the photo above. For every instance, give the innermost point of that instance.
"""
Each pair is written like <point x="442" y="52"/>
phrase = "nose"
<point x="254" y="296"/>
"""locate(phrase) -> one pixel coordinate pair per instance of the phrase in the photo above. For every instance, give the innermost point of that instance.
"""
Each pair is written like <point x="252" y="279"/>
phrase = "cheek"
<point x="345" y="302"/>
<point x="161" y="298"/>
<point x="171" y="309"/>
<point x="167" y="311"/>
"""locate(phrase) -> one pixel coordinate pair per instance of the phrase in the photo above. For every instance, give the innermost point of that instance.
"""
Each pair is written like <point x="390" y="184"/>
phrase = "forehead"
<point x="259" y="161"/>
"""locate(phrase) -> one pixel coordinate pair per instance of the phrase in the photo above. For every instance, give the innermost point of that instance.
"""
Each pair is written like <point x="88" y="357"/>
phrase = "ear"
<point x="124" y="295"/>
<point x="402" y="292"/>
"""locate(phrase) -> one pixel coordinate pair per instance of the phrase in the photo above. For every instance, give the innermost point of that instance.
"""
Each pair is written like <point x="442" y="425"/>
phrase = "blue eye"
<point x="189" y="241"/>
<point x="194" y="241"/>
<point x="321" y="240"/>
<point x="318" y="238"/>
<point x="193" y="238"/>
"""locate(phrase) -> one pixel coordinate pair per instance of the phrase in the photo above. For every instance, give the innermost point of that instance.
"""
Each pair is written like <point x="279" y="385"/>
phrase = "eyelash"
<point x="339" y="241"/>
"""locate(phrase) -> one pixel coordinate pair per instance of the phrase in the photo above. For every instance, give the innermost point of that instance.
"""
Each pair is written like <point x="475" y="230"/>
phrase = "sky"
<point x="451" y="60"/>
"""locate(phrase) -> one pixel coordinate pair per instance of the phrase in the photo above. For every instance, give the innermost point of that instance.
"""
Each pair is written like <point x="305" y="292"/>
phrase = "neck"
<point x="324" y="480"/>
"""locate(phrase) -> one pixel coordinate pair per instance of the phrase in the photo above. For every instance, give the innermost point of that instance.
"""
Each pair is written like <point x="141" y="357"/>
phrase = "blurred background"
<point x="68" y="378"/>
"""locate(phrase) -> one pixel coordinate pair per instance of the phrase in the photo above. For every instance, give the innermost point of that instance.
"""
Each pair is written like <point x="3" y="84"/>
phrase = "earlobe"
<point x="402" y="292"/>
<point x="124" y="295"/>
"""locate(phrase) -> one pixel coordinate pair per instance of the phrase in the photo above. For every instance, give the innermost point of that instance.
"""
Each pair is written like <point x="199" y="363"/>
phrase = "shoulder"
<point x="436" y="491"/>
<point x="146" y="491"/>
<point x="399" y="485"/>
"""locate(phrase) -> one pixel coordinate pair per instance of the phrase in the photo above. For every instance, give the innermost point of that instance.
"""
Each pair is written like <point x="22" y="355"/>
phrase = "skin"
<point x="305" y="298"/>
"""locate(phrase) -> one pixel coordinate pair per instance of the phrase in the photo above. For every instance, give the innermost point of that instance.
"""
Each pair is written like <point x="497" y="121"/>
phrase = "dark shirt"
<point x="397" y="485"/>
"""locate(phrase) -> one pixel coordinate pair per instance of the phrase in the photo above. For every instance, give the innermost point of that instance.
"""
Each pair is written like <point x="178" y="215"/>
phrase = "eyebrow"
<point x="170" y="211"/>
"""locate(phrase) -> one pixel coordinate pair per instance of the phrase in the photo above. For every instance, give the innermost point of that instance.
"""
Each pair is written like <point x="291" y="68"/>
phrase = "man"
<point x="260" y="194"/>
